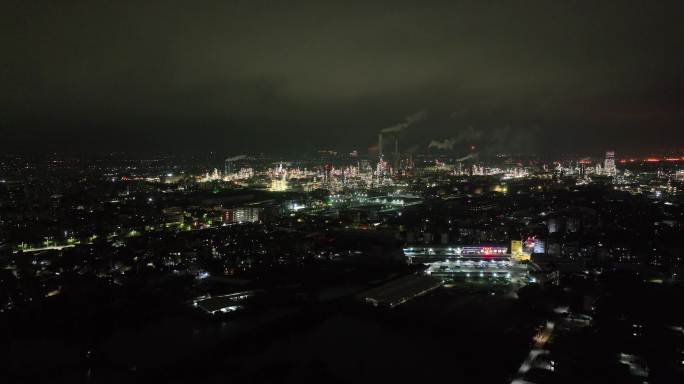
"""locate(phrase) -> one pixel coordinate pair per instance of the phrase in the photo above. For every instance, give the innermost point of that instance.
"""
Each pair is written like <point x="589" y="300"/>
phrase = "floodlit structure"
<point x="399" y="291"/>
<point x="222" y="303"/>
<point x="517" y="252"/>
<point x="609" y="164"/>
<point x="473" y="261"/>
<point x="242" y="215"/>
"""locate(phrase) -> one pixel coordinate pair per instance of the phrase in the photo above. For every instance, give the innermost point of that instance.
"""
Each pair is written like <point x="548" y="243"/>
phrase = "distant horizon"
<point x="662" y="154"/>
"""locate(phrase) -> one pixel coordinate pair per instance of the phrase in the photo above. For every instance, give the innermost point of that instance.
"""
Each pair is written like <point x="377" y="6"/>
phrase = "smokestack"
<point x="380" y="144"/>
<point x="396" y="154"/>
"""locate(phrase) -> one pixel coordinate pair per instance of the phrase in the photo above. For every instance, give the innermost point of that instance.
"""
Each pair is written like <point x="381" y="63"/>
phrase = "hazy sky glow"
<point x="291" y="76"/>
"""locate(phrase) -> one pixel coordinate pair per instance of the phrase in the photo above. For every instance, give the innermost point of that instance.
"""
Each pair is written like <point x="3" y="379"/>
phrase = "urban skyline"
<point x="342" y="192"/>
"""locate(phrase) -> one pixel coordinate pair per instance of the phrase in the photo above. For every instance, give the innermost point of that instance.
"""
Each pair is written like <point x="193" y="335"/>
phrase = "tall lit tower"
<point x="396" y="157"/>
<point x="228" y="167"/>
<point x="385" y="148"/>
<point x="380" y="145"/>
<point x="609" y="164"/>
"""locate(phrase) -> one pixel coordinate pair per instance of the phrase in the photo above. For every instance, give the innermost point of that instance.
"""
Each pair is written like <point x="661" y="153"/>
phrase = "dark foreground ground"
<point x="466" y="336"/>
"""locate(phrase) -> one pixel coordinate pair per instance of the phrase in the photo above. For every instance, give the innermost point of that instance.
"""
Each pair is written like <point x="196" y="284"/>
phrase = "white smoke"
<point x="467" y="135"/>
<point x="408" y="121"/>
<point x="471" y="156"/>
<point x="236" y="158"/>
<point x="443" y="145"/>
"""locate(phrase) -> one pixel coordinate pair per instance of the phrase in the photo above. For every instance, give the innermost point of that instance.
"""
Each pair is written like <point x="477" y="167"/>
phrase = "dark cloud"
<point x="287" y="76"/>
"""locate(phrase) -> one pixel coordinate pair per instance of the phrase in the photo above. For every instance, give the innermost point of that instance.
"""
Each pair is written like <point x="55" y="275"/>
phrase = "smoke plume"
<point x="408" y="121"/>
<point x="236" y="158"/>
<point x="470" y="156"/>
<point x="443" y="145"/>
<point x="468" y="135"/>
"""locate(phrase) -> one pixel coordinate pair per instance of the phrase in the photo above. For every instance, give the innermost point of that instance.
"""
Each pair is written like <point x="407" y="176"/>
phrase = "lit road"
<point x="540" y="340"/>
<point x="48" y="248"/>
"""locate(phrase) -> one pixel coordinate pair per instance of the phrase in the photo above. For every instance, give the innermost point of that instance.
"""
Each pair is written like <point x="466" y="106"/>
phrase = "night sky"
<point x="287" y="77"/>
